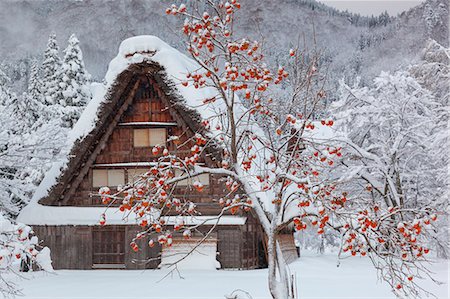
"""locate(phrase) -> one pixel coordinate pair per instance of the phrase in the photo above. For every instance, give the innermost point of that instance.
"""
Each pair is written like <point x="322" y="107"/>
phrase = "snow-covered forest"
<point x="35" y="122"/>
<point x="376" y="176"/>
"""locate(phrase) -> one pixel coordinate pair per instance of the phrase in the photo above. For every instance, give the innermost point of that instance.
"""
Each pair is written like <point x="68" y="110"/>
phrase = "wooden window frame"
<point x="98" y="181"/>
<point x="148" y="141"/>
<point x="141" y="138"/>
<point x="108" y="179"/>
<point x="121" y="173"/>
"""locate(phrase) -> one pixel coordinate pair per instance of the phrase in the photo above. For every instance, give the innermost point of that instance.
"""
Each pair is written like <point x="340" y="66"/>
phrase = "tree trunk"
<point x="279" y="284"/>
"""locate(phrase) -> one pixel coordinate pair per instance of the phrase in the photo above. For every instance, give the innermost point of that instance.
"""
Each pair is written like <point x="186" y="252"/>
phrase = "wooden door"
<point x="108" y="247"/>
<point x="229" y="247"/>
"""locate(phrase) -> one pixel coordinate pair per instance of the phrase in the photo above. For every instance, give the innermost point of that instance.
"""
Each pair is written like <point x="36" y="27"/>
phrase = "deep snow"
<point x="317" y="277"/>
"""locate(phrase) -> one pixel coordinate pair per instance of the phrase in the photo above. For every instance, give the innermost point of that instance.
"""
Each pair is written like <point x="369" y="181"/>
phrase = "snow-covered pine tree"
<point x="5" y="93"/>
<point x="73" y="83"/>
<point x="50" y="68"/>
<point x="25" y="110"/>
<point x="35" y="83"/>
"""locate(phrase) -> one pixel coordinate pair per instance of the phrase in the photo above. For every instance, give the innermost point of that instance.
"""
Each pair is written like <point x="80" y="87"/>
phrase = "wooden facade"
<point x="95" y="247"/>
<point x="141" y="100"/>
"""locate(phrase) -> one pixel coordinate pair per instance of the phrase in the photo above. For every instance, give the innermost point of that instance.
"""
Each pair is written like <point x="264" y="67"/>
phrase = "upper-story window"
<point x="116" y="177"/>
<point x="149" y="137"/>
<point x="108" y="177"/>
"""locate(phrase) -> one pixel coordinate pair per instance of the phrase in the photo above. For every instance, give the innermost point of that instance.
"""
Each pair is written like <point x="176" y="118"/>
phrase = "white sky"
<point x="373" y="7"/>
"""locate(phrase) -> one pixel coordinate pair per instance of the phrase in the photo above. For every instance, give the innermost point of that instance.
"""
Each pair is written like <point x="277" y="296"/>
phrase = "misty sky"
<point x="373" y="7"/>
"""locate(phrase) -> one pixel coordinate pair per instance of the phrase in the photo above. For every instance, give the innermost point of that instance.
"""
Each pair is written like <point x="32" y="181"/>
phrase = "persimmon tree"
<point x="272" y="161"/>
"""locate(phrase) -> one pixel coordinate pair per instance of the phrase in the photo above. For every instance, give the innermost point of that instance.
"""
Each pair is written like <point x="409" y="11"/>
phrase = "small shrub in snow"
<point x="19" y="248"/>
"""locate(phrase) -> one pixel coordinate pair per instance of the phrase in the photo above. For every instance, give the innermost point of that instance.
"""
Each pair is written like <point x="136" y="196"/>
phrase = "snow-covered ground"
<point x="317" y="277"/>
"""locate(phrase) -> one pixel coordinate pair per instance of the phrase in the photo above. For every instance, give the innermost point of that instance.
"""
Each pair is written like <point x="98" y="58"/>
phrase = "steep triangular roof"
<point x="138" y="56"/>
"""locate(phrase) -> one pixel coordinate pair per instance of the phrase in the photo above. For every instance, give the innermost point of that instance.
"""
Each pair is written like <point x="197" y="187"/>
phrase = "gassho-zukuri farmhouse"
<point x="139" y="106"/>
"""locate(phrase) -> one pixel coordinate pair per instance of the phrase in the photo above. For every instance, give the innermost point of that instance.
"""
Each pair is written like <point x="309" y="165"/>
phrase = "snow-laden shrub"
<point x="19" y="249"/>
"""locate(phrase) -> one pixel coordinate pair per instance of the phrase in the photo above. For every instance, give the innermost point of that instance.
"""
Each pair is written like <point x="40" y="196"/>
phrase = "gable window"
<point x="149" y="137"/>
<point x="108" y="177"/>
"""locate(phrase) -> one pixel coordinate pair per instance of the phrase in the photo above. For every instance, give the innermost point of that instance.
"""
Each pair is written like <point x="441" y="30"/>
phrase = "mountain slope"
<point x="101" y="25"/>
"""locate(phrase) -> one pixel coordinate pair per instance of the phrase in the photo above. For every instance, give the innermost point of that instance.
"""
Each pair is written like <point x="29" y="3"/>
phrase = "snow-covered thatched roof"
<point x="135" y="54"/>
<point x="138" y="55"/>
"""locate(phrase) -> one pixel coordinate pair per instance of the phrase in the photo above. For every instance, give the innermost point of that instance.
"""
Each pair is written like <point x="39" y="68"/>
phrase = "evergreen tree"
<point x="384" y="19"/>
<point x="25" y="111"/>
<point x="35" y="84"/>
<point x="75" y="78"/>
<point x="5" y="94"/>
<point x="50" y="69"/>
<point x="73" y="83"/>
<point x="31" y="123"/>
<point x="29" y="139"/>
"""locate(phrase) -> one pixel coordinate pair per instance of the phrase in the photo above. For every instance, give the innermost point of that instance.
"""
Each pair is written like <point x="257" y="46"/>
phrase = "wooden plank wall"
<point x="72" y="248"/>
